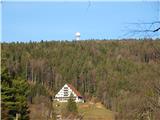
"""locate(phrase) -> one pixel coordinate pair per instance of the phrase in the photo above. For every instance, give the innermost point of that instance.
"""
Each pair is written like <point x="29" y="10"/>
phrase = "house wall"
<point x="79" y="100"/>
<point x="64" y="94"/>
<point x="66" y="100"/>
<point x="61" y="92"/>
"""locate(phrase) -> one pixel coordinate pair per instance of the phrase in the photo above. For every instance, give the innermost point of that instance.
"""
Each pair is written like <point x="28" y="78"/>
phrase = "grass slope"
<point x="89" y="111"/>
<point x="95" y="111"/>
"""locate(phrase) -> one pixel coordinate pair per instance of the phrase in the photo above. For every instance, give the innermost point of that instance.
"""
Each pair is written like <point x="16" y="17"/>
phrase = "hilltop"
<point x="123" y="75"/>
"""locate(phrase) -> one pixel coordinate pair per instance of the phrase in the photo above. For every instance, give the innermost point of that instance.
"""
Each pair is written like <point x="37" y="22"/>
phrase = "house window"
<point x="66" y="88"/>
<point x="65" y="93"/>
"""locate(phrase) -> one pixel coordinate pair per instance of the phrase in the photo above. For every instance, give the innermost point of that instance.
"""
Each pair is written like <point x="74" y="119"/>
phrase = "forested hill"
<point x="124" y="75"/>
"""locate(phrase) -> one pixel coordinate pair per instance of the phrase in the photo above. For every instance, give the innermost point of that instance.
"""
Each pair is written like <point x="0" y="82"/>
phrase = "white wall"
<point x="61" y="94"/>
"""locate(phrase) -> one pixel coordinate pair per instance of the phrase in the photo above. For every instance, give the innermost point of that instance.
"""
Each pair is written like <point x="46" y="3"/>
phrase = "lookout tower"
<point x="77" y="35"/>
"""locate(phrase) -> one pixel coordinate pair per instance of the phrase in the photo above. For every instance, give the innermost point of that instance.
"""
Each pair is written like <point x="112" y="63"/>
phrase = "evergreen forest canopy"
<point x="124" y="75"/>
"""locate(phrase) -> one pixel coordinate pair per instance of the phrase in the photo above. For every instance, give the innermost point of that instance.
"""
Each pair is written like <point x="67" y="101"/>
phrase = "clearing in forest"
<point x="89" y="110"/>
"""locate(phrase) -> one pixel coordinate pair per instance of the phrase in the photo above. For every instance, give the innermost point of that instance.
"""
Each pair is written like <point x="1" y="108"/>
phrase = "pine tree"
<point x="14" y="97"/>
<point x="22" y="91"/>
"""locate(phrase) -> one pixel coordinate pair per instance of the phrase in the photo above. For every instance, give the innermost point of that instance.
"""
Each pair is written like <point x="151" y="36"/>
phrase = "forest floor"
<point x="89" y="111"/>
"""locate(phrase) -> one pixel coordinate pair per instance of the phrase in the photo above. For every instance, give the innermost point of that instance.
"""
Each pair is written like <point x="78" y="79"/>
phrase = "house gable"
<point x="64" y="94"/>
<point x="66" y="91"/>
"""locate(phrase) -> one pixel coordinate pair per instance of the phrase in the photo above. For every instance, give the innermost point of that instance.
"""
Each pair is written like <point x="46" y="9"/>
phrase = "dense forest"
<point x="123" y="74"/>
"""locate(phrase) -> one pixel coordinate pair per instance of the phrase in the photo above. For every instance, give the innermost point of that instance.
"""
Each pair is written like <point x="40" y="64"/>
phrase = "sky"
<point x="53" y="20"/>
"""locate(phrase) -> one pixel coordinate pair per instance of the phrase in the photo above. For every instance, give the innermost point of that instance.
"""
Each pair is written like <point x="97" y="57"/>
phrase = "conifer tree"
<point x="14" y="97"/>
<point x="71" y="106"/>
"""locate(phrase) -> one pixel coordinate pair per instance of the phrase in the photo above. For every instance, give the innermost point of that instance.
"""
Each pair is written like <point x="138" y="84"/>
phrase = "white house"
<point x="64" y="94"/>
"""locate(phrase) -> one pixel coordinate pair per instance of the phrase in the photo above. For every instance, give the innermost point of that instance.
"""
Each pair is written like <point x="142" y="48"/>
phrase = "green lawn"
<point x="90" y="111"/>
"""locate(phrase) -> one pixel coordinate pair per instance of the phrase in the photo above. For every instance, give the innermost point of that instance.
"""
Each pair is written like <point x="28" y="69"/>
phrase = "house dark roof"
<point x="74" y="90"/>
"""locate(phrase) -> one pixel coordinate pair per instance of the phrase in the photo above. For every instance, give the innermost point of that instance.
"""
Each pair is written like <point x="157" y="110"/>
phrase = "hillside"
<point x="95" y="111"/>
<point x="124" y="75"/>
<point x="88" y="111"/>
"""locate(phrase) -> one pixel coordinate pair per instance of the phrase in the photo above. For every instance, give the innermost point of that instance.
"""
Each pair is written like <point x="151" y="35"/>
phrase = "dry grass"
<point x="89" y="111"/>
<point x="40" y="109"/>
<point x="95" y="111"/>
